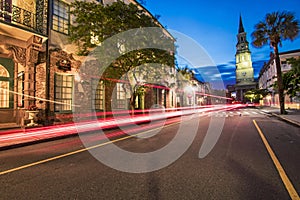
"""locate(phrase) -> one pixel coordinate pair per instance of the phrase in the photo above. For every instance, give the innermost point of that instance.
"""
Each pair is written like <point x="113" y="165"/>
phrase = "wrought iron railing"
<point x="24" y="17"/>
<point x="19" y="16"/>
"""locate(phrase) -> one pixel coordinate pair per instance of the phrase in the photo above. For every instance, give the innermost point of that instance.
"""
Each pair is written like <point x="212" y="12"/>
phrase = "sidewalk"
<point x="5" y="126"/>
<point x="292" y="116"/>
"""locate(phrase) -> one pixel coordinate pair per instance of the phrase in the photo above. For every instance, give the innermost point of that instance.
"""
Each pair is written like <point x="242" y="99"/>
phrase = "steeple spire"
<point x="241" y="27"/>
<point x="244" y="72"/>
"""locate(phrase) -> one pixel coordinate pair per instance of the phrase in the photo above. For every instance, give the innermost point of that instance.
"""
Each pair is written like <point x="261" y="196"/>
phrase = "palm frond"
<point x="276" y="27"/>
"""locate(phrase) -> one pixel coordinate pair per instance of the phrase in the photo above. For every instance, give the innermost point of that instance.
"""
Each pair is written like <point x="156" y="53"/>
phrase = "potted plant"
<point x="32" y="110"/>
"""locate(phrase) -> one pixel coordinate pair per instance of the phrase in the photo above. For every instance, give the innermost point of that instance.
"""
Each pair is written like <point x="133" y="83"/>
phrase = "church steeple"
<point x="241" y="27"/>
<point x="242" y="44"/>
<point x="244" y="70"/>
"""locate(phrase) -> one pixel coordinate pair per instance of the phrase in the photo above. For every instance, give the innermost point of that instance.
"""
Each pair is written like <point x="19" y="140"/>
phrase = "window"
<point x="20" y="88"/>
<point x="63" y="92"/>
<point x="5" y="10"/>
<point x="4" y="88"/>
<point x="98" y="92"/>
<point x="120" y="96"/>
<point x="284" y="62"/>
<point x="61" y="17"/>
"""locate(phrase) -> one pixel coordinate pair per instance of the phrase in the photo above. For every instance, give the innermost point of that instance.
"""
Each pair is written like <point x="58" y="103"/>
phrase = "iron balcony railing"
<point x="19" y="16"/>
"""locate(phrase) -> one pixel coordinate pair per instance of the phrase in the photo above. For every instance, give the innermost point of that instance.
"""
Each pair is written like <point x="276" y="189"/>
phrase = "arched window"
<point x="3" y="72"/>
<point x="4" y="87"/>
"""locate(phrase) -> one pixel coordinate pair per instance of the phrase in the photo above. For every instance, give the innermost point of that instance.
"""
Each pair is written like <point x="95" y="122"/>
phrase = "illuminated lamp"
<point x="64" y="65"/>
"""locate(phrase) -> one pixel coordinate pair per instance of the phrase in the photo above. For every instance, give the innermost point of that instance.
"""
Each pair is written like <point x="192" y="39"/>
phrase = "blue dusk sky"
<point x="214" y="26"/>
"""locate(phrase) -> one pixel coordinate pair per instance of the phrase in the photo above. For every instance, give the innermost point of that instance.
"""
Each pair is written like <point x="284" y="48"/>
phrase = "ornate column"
<point x="27" y="57"/>
<point x="32" y="53"/>
<point x="29" y="81"/>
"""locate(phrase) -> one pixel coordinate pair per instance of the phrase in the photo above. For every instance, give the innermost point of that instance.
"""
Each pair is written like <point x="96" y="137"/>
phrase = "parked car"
<point x="250" y="104"/>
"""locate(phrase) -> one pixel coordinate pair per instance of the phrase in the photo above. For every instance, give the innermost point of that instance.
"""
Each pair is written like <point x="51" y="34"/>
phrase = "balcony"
<point x="19" y="17"/>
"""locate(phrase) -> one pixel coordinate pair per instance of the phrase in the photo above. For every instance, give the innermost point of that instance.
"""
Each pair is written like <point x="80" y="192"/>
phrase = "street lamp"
<point x="190" y="93"/>
<point x="201" y="100"/>
<point x="269" y="99"/>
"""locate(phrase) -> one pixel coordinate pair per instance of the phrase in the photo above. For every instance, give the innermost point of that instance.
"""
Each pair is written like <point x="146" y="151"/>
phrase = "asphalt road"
<point x="239" y="165"/>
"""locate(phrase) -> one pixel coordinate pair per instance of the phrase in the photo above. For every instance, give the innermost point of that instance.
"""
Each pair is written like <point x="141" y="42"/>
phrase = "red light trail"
<point x="47" y="132"/>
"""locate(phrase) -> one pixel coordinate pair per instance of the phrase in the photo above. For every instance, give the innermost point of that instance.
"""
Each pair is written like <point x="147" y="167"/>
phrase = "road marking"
<point x="285" y="179"/>
<point x="79" y="151"/>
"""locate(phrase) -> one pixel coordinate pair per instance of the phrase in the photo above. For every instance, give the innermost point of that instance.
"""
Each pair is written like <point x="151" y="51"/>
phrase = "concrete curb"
<point x="36" y="141"/>
<point x="286" y="119"/>
<point x="281" y="117"/>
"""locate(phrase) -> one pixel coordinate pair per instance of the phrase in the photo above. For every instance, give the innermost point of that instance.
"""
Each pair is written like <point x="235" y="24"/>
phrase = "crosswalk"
<point x="238" y="112"/>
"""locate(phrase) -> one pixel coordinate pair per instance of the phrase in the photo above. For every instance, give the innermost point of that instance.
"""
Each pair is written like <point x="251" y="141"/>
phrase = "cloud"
<point x="216" y="75"/>
<point x="231" y="62"/>
<point x="232" y="77"/>
<point x="227" y="73"/>
<point x="261" y="54"/>
<point x="230" y="65"/>
<point x="257" y="65"/>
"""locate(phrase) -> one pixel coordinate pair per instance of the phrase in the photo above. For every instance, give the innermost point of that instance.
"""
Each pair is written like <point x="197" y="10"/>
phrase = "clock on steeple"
<point x="244" y="70"/>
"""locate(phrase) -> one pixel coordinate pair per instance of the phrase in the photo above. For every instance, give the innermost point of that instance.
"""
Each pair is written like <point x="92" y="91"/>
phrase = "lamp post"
<point x="190" y="93"/>
<point x="201" y="101"/>
<point x="269" y="100"/>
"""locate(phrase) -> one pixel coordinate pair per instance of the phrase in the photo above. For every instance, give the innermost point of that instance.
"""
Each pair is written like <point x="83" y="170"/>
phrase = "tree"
<point x="137" y="69"/>
<point x="95" y="23"/>
<point x="185" y="71"/>
<point x="275" y="28"/>
<point x="255" y="95"/>
<point x="185" y="75"/>
<point x="291" y="79"/>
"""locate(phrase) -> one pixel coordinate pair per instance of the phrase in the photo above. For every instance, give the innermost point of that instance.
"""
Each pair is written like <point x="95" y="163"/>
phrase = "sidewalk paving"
<point x="12" y="135"/>
<point x="5" y="126"/>
<point x="292" y="116"/>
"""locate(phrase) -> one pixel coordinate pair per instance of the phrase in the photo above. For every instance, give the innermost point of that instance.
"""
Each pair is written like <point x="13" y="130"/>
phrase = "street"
<point x="238" y="167"/>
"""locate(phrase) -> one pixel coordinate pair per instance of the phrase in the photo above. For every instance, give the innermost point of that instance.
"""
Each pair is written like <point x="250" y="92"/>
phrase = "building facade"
<point x="23" y="32"/>
<point x="268" y="77"/>
<point x="41" y="73"/>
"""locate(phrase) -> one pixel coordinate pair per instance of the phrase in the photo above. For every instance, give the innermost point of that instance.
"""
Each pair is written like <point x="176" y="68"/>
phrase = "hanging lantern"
<point x="64" y="65"/>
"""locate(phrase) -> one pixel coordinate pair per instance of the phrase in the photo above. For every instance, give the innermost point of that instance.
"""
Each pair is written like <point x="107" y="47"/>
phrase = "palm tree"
<point x="275" y="28"/>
